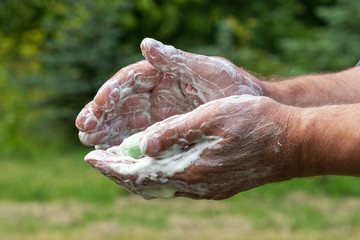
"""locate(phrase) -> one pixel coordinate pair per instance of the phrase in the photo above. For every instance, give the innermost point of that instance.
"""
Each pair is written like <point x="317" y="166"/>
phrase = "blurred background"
<point x="54" y="55"/>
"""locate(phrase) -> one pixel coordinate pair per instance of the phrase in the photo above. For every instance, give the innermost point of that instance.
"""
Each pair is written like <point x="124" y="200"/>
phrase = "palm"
<point x="171" y="82"/>
<point x="133" y="99"/>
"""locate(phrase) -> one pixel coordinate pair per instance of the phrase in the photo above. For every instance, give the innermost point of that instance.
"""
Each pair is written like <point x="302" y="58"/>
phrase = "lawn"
<point x="61" y="197"/>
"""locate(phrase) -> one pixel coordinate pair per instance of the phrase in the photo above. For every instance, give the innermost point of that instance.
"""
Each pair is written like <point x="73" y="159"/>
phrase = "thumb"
<point x="197" y="70"/>
<point x="175" y="134"/>
<point x="164" y="57"/>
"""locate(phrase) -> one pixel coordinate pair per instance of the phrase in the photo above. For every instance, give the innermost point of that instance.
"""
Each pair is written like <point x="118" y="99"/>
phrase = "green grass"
<point x="67" y="176"/>
<point x="58" y="196"/>
<point x="53" y="177"/>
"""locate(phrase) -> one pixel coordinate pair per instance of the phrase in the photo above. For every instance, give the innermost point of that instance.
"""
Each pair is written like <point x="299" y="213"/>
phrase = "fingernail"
<point x="101" y="98"/>
<point x="143" y="145"/>
<point x="96" y="155"/>
<point x="85" y="122"/>
<point x="149" y="43"/>
<point x="149" y="146"/>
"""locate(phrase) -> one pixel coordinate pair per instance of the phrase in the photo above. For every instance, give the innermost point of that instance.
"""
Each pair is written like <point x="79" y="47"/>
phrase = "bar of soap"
<point x="130" y="146"/>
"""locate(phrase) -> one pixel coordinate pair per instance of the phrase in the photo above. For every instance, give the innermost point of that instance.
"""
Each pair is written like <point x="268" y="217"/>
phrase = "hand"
<point x="169" y="82"/>
<point x="215" y="151"/>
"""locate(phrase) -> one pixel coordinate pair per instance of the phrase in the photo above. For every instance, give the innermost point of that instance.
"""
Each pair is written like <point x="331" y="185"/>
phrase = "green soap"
<point x="130" y="146"/>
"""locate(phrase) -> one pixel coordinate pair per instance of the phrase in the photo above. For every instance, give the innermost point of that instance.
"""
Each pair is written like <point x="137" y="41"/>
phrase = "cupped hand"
<point x="213" y="152"/>
<point x="167" y="83"/>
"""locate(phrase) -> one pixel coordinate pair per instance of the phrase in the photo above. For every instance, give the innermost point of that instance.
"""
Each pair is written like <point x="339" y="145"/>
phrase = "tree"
<point x="331" y="47"/>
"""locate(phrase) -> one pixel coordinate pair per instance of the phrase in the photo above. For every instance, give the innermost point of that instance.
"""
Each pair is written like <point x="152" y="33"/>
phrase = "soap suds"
<point x="177" y="84"/>
<point x="216" y="78"/>
<point x="158" y="170"/>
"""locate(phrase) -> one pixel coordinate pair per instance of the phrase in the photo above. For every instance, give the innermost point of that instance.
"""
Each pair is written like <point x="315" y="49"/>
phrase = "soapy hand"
<point x="169" y="82"/>
<point x="213" y="152"/>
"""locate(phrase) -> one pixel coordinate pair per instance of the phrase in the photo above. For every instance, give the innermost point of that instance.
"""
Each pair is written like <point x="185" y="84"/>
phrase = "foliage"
<point x="54" y="55"/>
<point x="329" y="48"/>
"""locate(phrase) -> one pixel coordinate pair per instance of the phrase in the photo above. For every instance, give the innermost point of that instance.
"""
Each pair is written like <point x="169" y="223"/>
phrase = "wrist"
<point x="285" y="141"/>
<point x="292" y="140"/>
<point x="329" y="137"/>
<point x="295" y="92"/>
<point x="278" y="91"/>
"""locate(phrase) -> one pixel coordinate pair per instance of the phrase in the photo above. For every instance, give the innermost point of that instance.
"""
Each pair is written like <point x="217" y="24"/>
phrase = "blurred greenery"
<point x="58" y="197"/>
<point x="55" y="54"/>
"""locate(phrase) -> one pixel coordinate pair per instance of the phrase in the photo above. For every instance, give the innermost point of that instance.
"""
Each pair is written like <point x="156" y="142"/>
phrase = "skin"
<point x="170" y="82"/>
<point x="317" y="89"/>
<point x="330" y="139"/>
<point x="259" y="139"/>
<point x="235" y="163"/>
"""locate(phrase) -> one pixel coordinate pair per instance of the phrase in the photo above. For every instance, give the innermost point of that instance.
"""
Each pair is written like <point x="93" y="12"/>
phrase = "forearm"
<point x="330" y="140"/>
<point x="317" y="90"/>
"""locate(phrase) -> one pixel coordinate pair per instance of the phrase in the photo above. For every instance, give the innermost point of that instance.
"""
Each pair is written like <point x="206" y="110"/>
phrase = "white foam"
<point x="159" y="170"/>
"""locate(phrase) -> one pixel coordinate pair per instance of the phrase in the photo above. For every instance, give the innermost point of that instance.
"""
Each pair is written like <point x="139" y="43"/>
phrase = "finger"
<point x="203" y="124"/>
<point x="146" y="176"/>
<point x="199" y="70"/>
<point x="136" y="78"/>
<point x="121" y="169"/>
<point x="108" y="103"/>
<point x="136" y="103"/>
<point x="134" y="111"/>
<point x="103" y="161"/>
<point x="91" y="118"/>
<point x="193" y="95"/>
<point x="177" y="133"/>
<point x="112" y="133"/>
<point x="168" y="99"/>
<point x="88" y="118"/>
<point x="106" y="135"/>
